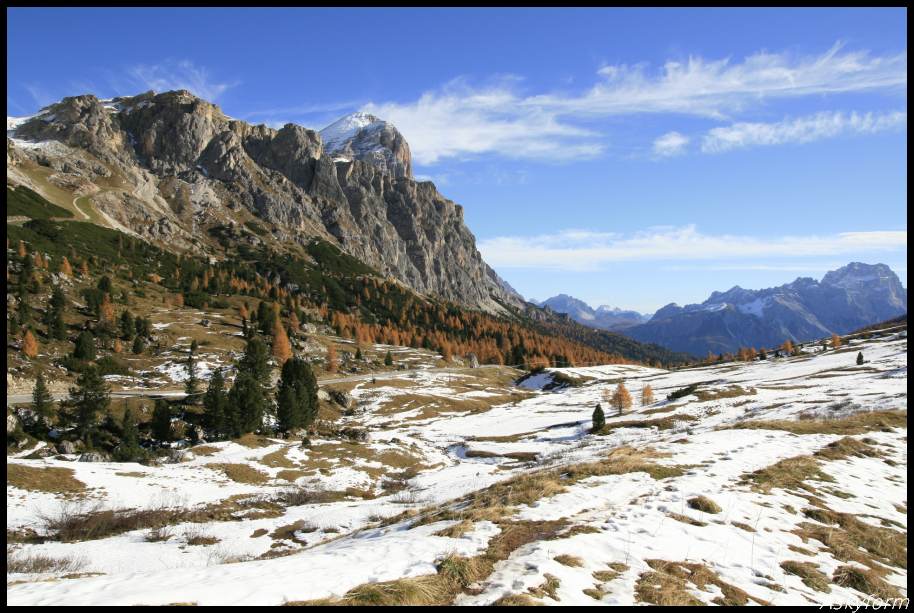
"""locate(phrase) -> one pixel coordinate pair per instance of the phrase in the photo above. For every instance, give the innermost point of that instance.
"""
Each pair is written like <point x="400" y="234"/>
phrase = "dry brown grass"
<point x="158" y="534"/>
<point x="549" y="587"/>
<point x="667" y="409"/>
<point x="865" y="581"/>
<point x="569" y="560"/>
<point x="326" y="456"/>
<point x="849" y="539"/>
<point x="205" y="450"/>
<point x="703" y="504"/>
<point x="663" y="589"/>
<point x="792" y="473"/>
<point x="76" y="523"/>
<point x="663" y="423"/>
<point x="494" y="502"/>
<point x="688" y="520"/>
<point x="615" y="570"/>
<point x="52" y="479"/>
<point x="254" y="441"/>
<point x="454" y="573"/>
<point x="809" y="573"/>
<point x="424" y="590"/>
<point x="516" y="600"/>
<point x="278" y="459"/>
<point x="578" y="529"/>
<point x="33" y="563"/>
<point x="743" y="526"/>
<point x="732" y="391"/>
<point x="240" y="473"/>
<point x="667" y="584"/>
<point x="594" y="592"/>
<point x="847" y="447"/>
<point x="787" y="474"/>
<point x="196" y="536"/>
<point x="291" y="475"/>
<point x="857" y="423"/>
<point x="457" y="530"/>
<point x="520" y="456"/>
<point x="287" y="532"/>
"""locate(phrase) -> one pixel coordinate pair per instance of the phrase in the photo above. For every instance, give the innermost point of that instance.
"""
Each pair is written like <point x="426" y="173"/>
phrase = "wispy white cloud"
<point x="182" y="74"/>
<point x="717" y="88"/>
<point x="460" y="120"/>
<point x="670" y="144"/>
<point x="800" y="130"/>
<point x="586" y="250"/>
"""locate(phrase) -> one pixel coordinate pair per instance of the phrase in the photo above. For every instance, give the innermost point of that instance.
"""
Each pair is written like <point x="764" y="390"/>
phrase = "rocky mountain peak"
<point x="858" y="274"/>
<point x="362" y="136"/>
<point x="605" y="317"/>
<point x="167" y="166"/>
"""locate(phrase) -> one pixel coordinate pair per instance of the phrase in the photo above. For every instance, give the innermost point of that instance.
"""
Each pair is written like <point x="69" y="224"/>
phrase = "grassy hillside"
<point x="318" y="283"/>
<point x="23" y="202"/>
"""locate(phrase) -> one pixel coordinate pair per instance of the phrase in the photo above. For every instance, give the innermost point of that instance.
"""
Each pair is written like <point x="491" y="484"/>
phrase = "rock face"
<point x="167" y="166"/>
<point x="851" y="297"/>
<point x="603" y="317"/>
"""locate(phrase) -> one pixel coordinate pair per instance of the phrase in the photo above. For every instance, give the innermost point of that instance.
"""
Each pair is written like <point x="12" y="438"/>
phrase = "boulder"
<point x="42" y="452"/>
<point x="341" y="398"/>
<point x="176" y="456"/>
<point x="94" y="456"/>
<point x="355" y="434"/>
<point x="67" y="447"/>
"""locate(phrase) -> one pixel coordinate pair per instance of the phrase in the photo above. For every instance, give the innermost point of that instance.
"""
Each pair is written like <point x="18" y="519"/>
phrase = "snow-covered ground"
<point x="445" y="435"/>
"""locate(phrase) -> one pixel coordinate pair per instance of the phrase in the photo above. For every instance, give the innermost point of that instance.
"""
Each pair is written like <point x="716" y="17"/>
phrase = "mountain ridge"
<point x="845" y="299"/>
<point x="603" y="317"/>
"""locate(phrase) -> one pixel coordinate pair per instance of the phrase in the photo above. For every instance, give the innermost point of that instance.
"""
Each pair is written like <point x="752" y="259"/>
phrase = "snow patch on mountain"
<point x="337" y="134"/>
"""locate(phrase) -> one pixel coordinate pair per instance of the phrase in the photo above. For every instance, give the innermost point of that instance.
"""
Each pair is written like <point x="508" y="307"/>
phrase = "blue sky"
<point x="626" y="157"/>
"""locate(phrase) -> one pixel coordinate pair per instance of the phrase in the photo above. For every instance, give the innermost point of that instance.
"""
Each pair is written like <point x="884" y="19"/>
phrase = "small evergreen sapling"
<point x="599" y="419"/>
<point x="89" y="399"/>
<point x="42" y="401"/>
<point x="214" y="406"/>
<point x="161" y="421"/>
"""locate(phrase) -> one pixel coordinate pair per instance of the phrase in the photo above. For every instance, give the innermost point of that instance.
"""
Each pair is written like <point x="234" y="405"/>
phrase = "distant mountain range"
<point x="603" y="317"/>
<point x="851" y="297"/>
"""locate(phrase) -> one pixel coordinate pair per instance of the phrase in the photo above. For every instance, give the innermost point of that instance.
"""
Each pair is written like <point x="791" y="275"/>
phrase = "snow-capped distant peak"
<point x="337" y="134"/>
